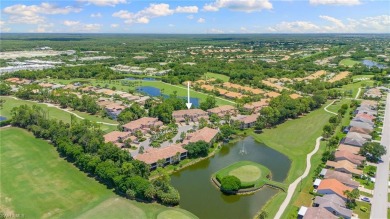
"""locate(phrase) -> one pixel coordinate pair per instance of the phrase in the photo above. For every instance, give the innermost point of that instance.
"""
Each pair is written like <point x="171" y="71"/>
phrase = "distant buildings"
<point x="192" y="115"/>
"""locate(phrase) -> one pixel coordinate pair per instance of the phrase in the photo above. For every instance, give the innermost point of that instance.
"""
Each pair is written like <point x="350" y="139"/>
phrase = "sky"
<point x="199" y="17"/>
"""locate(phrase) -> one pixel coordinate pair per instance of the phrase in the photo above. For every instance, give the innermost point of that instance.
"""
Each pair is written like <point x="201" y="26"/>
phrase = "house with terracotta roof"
<point x="344" y="166"/>
<point x="272" y="94"/>
<point x="334" y="205"/>
<point x="205" y="134"/>
<point x="369" y="103"/>
<point x="314" y="213"/>
<point x="344" y="178"/>
<point x="193" y="115"/>
<point x="255" y="107"/>
<point x="333" y="186"/>
<point x="114" y="109"/>
<point x="223" y="110"/>
<point x="144" y="124"/>
<point x="295" y="96"/>
<point x="373" y="93"/>
<point x="346" y="155"/>
<point x="360" y="130"/>
<point x="116" y="136"/>
<point x="246" y="121"/>
<point x="367" y="117"/>
<point x="350" y="148"/>
<point x="168" y="155"/>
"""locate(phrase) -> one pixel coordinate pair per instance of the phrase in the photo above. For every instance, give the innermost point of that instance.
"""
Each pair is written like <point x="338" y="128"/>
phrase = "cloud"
<point x="190" y="16"/>
<point x="377" y="24"/>
<point x="239" y="5"/>
<point x="4" y="27"/>
<point x="96" y="15"/>
<point x="114" y="25"/>
<point x="32" y="14"/>
<point x="186" y="9"/>
<point x="214" y="30"/>
<point x="335" y="2"/>
<point x="71" y="23"/>
<point x="111" y="3"/>
<point x="91" y="27"/>
<point x="171" y="25"/>
<point x="43" y="28"/>
<point x="295" y="27"/>
<point x="153" y="11"/>
<point x="201" y="20"/>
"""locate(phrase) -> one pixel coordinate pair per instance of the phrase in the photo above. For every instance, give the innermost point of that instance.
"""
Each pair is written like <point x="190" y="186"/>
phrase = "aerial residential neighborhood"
<point x="220" y="109"/>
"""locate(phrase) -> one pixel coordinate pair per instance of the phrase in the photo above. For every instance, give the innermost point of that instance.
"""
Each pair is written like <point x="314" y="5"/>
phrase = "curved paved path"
<point x="293" y="186"/>
<point x="358" y="93"/>
<point x="66" y="110"/>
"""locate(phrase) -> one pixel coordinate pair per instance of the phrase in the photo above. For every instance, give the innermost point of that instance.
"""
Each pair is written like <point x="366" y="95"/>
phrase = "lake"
<point x="199" y="196"/>
<point x="142" y="79"/>
<point x="155" y="92"/>
<point x="370" y="64"/>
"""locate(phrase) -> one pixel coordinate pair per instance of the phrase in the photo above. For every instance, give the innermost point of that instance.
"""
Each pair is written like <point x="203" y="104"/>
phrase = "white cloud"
<point x="43" y="28"/>
<point x="3" y="27"/>
<point x="32" y="14"/>
<point x="190" y="16"/>
<point x="104" y="2"/>
<point x="239" y="5"/>
<point x="96" y="15"/>
<point x="153" y="11"/>
<point x="335" y="2"/>
<point x="201" y="20"/>
<point x="114" y="25"/>
<point x="71" y="23"/>
<point x="214" y="30"/>
<point x="377" y="24"/>
<point x="171" y="25"/>
<point x="91" y="27"/>
<point x="187" y="9"/>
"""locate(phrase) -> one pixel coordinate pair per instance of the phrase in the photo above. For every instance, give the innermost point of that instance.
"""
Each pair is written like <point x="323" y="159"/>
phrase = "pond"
<point x="143" y="79"/>
<point x="155" y="92"/>
<point x="370" y="64"/>
<point x="199" y="196"/>
<point x="2" y="118"/>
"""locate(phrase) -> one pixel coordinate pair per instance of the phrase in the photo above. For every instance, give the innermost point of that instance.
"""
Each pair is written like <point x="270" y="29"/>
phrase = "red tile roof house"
<point x="169" y="155"/>
<point x="255" y="107"/>
<point x="142" y="124"/>
<point x="223" y="110"/>
<point x="246" y="121"/>
<point x="116" y="137"/>
<point x="192" y="114"/>
<point x="114" y="109"/>
<point x="333" y="186"/>
<point x="344" y="178"/>
<point x="346" y="155"/>
<point x="205" y="134"/>
<point x="344" y="166"/>
<point x="360" y="130"/>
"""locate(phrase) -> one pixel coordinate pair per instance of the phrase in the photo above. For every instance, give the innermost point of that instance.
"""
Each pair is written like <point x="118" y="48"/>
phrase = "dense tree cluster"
<point x="135" y="111"/>
<point x="230" y="183"/>
<point x="82" y="143"/>
<point x="163" y="111"/>
<point x="197" y="149"/>
<point x="372" y="151"/>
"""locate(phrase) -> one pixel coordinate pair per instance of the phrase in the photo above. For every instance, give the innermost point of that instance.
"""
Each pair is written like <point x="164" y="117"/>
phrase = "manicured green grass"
<point x="37" y="183"/>
<point x="366" y="194"/>
<point x="362" y="215"/>
<point x="164" y="87"/>
<point x="224" y="78"/>
<point x="348" y="62"/>
<point x="172" y="214"/>
<point x="354" y="87"/>
<point x="54" y="113"/>
<point x="250" y="173"/>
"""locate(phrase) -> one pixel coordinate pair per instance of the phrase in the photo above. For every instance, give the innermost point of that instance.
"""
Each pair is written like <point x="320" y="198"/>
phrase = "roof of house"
<point x="371" y="103"/>
<point x="361" y="125"/>
<point x="334" y="185"/>
<point x="326" y="203"/>
<point x="115" y="135"/>
<point x="272" y="94"/>
<point x="360" y="130"/>
<point x="221" y="109"/>
<point x="295" y="96"/>
<point x="257" y="104"/>
<point x="205" y="134"/>
<point x="329" y="198"/>
<point x="139" y="122"/>
<point x="249" y="119"/>
<point x="153" y="155"/>
<point x="354" y="138"/>
<point x="354" y="158"/>
<point x="344" y="164"/>
<point x="318" y="213"/>
<point x="345" y="178"/>
<point x="365" y="116"/>
<point x="188" y="112"/>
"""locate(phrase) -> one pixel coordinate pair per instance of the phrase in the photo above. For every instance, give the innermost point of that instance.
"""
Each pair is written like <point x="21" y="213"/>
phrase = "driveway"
<point x="379" y="201"/>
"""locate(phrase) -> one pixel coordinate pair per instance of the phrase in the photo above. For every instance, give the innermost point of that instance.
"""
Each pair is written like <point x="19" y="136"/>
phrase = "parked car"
<point x="365" y="199"/>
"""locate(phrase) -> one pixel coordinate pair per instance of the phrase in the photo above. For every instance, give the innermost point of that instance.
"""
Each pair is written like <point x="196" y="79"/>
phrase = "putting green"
<point x="247" y="173"/>
<point x="173" y="214"/>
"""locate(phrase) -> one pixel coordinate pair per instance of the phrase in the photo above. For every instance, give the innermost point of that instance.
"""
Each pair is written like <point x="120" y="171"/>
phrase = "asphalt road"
<point x="379" y="201"/>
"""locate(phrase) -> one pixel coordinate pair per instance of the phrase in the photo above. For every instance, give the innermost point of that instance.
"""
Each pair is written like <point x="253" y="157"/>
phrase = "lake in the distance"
<point x="199" y="196"/>
<point x="155" y="92"/>
<point x="370" y="64"/>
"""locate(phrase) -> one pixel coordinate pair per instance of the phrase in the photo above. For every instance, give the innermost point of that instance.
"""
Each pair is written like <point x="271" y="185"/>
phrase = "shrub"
<point x="230" y="183"/>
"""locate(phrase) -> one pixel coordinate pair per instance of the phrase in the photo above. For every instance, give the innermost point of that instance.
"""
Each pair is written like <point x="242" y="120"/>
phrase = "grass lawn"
<point x="296" y="138"/>
<point x="348" y="62"/>
<point x="362" y="214"/>
<point x="43" y="185"/>
<point x="366" y="194"/>
<point x="164" y="87"/>
<point x="249" y="173"/>
<point x="224" y="78"/>
<point x="354" y="87"/>
<point x="54" y="113"/>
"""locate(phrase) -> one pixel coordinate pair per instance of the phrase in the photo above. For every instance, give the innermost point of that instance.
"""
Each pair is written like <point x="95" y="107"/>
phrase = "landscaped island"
<point x="242" y="177"/>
